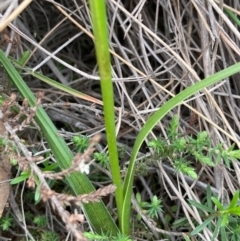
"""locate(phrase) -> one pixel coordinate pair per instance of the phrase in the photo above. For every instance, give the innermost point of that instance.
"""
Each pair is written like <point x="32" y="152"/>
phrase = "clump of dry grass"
<point x="158" y="49"/>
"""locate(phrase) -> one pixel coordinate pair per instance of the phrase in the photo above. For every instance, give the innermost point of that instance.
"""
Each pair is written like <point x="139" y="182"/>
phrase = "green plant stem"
<point x="99" y="21"/>
<point x="97" y="213"/>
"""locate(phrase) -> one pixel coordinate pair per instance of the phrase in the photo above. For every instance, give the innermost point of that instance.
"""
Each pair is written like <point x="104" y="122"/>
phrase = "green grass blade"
<point x="234" y="201"/>
<point x="201" y="206"/>
<point x="96" y="212"/>
<point x="99" y="21"/>
<point x="57" y="85"/>
<point x="217" y="228"/>
<point x="24" y="57"/>
<point x="64" y="88"/>
<point x="199" y="228"/>
<point x="217" y="203"/>
<point x="149" y="125"/>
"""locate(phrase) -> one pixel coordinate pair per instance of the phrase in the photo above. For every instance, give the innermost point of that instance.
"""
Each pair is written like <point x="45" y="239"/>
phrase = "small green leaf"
<point x="186" y="237"/>
<point x="154" y="207"/>
<point x="37" y="195"/>
<point x="223" y="233"/>
<point x="224" y="220"/>
<point x="138" y="197"/>
<point x="181" y="222"/>
<point x="40" y="221"/>
<point x="21" y="178"/>
<point x="81" y="143"/>
<point x="234" y="211"/>
<point x="234" y="154"/>
<point x="172" y="130"/>
<point x="234" y="201"/>
<point x="216" y="229"/>
<point x="6" y="222"/>
<point x="217" y="203"/>
<point x="24" y="57"/>
<point x="200" y="206"/>
<point x="203" y="159"/>
<point x="199" y="228"/>
<point x="50" y="167"/>
<point x="191" y="173"/>
<point x="93" y="236"/>
<point x="179" y="144"/>
<point x="202" y="136"/>
<point x="14" y="162"/>
<point x="102" y="158"/>
<point x="209" y="201"/>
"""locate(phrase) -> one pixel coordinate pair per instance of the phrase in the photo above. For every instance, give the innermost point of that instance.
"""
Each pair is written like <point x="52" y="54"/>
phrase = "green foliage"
<point x="141" y="167"/>
<point x="152" y="208"/>
<point x="48" y="167"/>
<point x="102" y="158"/>
<point x="183" y="166"/>
<point x="141" y="203"/>
<point x="122" y="150"/>
<point x="40" y="221"/>
<point x="14" y="161"/>
<point x="80" y="184"/>
<point x="222" y="220"/>
<point x="123" y="195"/>
<point x="158" y="145"/>
<point x="81" y="143"/>
<point x="2" y="142"/>
<point x="173" y="128"/>
<point x="22" y="60"/>
<point x="103" y="237"/>
<point x="6" y="222"/>
<point x="121" y="237"/>
<point x="232" y="231"/>
<point x="49" y="236"/>
<point x="39" y="224"/>
<point x="93" y="236"/>
<point x="1" y="100"/>
<point x="232" y="16"/>
<point x="180" y="150"/>
<point x="24" y="175"/>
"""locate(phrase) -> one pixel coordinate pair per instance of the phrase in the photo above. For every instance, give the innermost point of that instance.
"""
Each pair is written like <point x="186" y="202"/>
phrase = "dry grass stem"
<point x="84" y="198"/>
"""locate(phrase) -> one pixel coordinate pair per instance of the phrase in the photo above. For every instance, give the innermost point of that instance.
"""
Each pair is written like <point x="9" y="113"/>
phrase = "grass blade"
<point x="152" y="121"/>
<point x="199" y="228"/>
<point x="96" y="212"/>
<point x="57" y="85"/>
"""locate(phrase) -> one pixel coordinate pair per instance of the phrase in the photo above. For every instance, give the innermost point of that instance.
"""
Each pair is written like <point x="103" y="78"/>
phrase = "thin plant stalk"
<point x="99" y="22"/>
